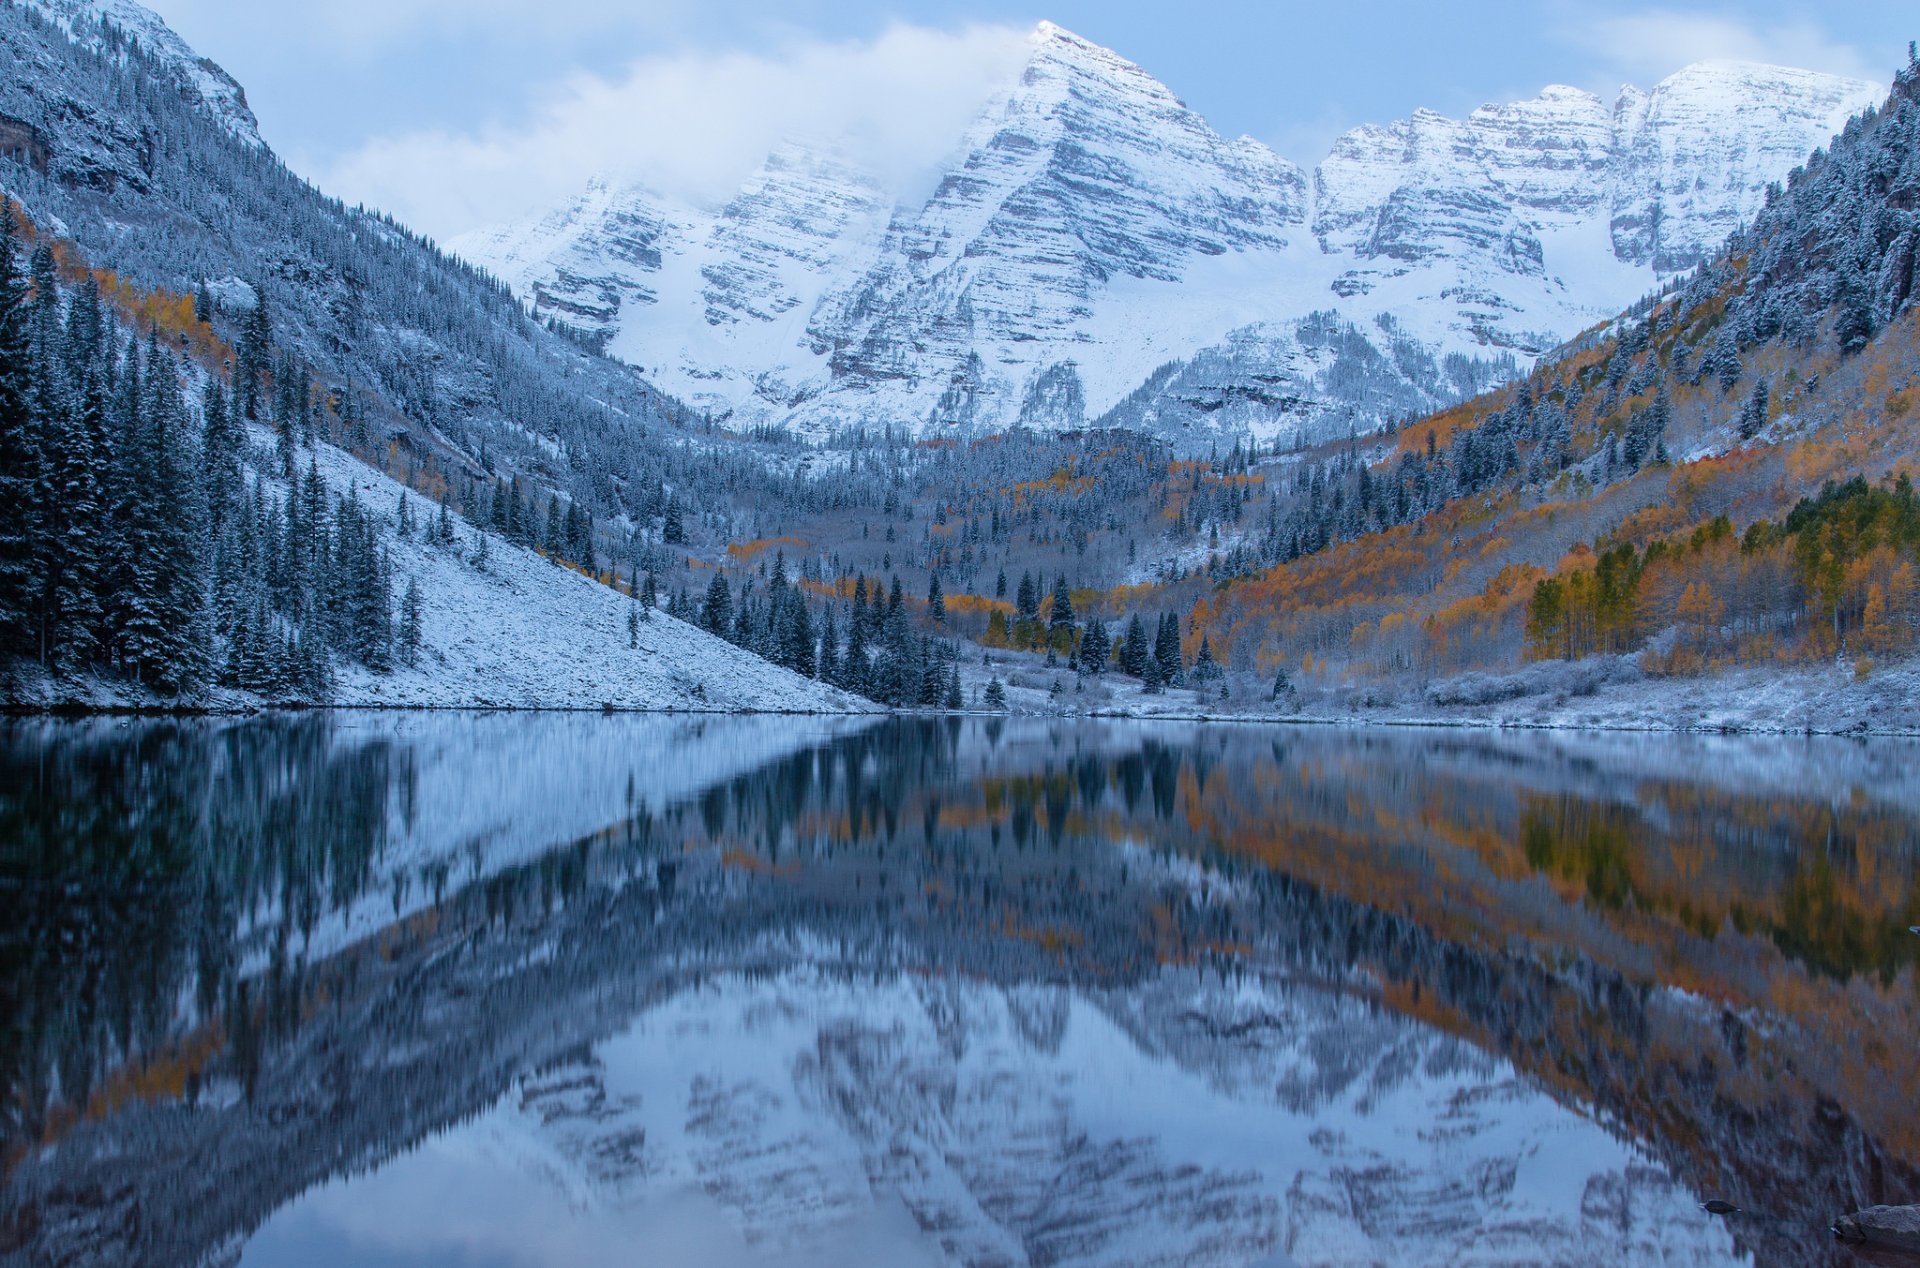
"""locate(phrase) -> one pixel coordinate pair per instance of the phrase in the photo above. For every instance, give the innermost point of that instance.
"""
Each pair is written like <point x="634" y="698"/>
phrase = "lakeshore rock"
<point x="1897" y="1227"/>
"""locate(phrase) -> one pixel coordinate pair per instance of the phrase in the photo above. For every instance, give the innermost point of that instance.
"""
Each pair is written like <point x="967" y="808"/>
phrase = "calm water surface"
<point x="555" y="990"/>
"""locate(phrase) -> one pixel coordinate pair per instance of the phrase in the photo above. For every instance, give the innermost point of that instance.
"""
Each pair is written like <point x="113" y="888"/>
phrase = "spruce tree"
<point x="410" y="623"/>
<point x="1061" y="617"/>
<point x="1166" y="648"/>
<point x="19" y="456"/>
<point x="1026" y="605"/>
<point x="1135" y="651"/>
<point x="1205" y="670"/>
<point x="829" y="664"/>
<point x="717" y="616"/>
<point x="1095" y="647"/>
<point x="252" y="356"/>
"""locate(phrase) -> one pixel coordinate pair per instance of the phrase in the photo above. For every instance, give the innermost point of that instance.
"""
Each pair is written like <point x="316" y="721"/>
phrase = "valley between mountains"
<point x="1573" y="411"/>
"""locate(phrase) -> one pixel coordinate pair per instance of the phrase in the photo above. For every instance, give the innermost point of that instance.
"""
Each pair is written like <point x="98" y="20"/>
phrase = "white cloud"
<point x="691" y="125"/>
<point x="1651" y="44"/>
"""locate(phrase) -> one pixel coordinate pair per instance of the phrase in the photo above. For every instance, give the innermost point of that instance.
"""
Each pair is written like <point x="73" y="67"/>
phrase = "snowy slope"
<point x="520" y="631"/>
<point x="1091" y="228"/>
<point x="513" y="630"/>
<point x="198" y="77"/>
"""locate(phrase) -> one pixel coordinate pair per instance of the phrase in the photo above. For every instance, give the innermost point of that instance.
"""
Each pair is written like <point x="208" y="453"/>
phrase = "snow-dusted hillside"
<point x="1091" y="228"/>
<point x="511" y="629"/>
<point x="521" y="631"/>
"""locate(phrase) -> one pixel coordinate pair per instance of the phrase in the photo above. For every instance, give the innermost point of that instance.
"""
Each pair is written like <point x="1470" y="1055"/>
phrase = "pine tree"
<point x="1166" y="648"/>
<point x="673" y="531"/>
<point x="996" y="695"/>
<point x="717" y="616"/>
<point x="857" y="673"/>
<point x="410" y="623"/>
<point x="1753" y="416"/>
<point x="1061" y="617"/>
<point x="256" y="347"/>
<point x="936" y="601"/>
<point x="19" y="456"/>
<point x="1204" y="668"/>
<point x="1026" y="606"/>
<point x="1095" y="648"/>
<point x="1135" y="650"/>
<point x="829" y="665"/>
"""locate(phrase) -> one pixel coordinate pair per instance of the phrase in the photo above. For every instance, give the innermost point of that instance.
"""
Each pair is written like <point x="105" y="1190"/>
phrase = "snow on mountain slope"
<point x="522" y="631"/>
<point x="1091" y="231"/>
<point x="513" y="630"/>
<point x="199" y="78"/>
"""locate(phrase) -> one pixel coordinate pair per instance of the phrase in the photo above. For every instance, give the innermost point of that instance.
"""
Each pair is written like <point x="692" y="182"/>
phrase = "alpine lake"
<point x="504" y="990"/>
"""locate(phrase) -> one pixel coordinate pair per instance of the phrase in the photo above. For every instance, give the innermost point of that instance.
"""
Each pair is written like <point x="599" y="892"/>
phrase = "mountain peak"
<point x="1732" y="83"/>
<point x="217" y="91"/>
<point x="1089" y="224"/>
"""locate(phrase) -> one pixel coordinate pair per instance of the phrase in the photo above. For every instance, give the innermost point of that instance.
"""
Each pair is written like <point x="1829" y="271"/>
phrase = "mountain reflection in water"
<point x="532" y="989"/>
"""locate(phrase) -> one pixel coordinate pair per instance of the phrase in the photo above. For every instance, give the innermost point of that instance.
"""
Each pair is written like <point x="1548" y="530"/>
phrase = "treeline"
<point x="880" y="655"/>
<point x="1772" y="328"/>
<point x="139" y="542"/>
<point x="1836" y="575"/>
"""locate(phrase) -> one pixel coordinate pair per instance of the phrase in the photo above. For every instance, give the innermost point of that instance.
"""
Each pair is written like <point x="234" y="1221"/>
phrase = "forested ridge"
<point x="1632" y="495"/>
<point x="1725" y="476"/>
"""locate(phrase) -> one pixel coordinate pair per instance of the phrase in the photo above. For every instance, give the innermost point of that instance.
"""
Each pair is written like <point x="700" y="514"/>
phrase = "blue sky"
<point x="453" y="113"/>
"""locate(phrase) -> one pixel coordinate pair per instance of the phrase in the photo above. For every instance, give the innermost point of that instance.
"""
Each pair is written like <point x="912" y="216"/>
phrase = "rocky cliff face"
<point x="1091" y="232"/>
<point x="108" y="25"/>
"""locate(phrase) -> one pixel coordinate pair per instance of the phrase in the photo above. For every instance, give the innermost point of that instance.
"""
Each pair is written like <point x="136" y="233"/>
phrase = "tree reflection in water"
<point x="243" y="957"/>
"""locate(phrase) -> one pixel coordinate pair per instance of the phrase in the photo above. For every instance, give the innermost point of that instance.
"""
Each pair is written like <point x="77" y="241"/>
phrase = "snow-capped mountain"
<point x="1092" y="231"/>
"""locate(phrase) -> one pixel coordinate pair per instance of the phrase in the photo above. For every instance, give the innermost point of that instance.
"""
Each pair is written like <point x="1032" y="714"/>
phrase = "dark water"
<point x="530" y="990"/>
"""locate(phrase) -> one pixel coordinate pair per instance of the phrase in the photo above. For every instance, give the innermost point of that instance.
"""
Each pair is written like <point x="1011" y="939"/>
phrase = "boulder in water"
<point x="1897" y="1227"/>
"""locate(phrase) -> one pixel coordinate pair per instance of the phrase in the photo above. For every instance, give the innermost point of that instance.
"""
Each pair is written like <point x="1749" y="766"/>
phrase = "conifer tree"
<point x="1061" y="617"/>
<point x="1095" y="648"/>
<point x="410" y="633"/>
<point x="252" y="356"/>
<point x="19" y="456"/>
<point x="717" y="616"/>
<point x="829" y="663"/>
<point x="1135" y="650"/>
